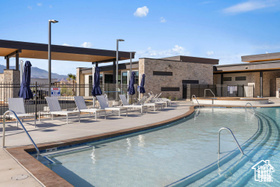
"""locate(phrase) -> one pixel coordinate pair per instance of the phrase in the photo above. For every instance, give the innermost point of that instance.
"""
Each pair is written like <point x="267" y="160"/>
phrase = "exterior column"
<point x="261" y="83"/>
<point x="7" y="63"/>
<point x="114" y="72"/>
<point x="17" y="61"/>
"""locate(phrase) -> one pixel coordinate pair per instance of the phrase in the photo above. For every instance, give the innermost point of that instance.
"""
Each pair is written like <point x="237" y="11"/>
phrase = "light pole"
<point x="117" y="67"/>
<point x="49" y="55"/>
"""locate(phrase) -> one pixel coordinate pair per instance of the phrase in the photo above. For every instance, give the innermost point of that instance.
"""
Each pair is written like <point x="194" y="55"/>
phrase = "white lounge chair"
<point x="127" y="105"/>
<point x="147" y="102"/>
<point x="17" y="105"/>
<point x="56" y="110"/>
<point x="104" y="105"/>
<point x="81" y="105"/>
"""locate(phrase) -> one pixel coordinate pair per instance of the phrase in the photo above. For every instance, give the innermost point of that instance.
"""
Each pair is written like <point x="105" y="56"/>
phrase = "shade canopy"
<point x="59" y="52"/>
<point x="96" y="90"/>
<point x="131" y="90"/>
<point x="142" y="89"/>
<point x="25" y="91"/>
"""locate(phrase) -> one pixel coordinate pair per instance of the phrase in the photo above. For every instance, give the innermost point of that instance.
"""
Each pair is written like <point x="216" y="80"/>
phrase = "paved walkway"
<point x="57" y="130"/>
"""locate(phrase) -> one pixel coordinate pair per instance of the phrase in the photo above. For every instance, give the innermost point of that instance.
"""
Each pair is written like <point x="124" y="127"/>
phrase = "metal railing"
<point x="225" y="128"/>
<point x="194" y="97"/>
<point x="4" y="130"/>
<point x="251" y="106"/>
<point x="210" y="91"/>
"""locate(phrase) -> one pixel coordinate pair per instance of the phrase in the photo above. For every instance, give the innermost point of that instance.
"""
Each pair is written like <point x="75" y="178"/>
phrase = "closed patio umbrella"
<point x="142" y="89"/>
<point x="25" y="91"/>
<point x="96" y="90"/>
<point x="131" y="89"/>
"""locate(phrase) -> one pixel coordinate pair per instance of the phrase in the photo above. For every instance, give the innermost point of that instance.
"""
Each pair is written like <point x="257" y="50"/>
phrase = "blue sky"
<point x="220" y="29"/>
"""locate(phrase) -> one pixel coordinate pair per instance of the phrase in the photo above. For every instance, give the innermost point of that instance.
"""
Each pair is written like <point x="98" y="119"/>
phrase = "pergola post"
<point x="17" y="61"/>
<point x="114" y="72"/>
<point x="7" y="63"/>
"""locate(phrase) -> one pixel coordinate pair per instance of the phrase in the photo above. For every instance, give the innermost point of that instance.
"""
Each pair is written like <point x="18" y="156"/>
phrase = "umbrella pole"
<point x="93" y="102"/>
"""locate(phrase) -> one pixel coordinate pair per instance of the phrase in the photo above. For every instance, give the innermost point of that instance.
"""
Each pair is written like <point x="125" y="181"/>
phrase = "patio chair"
<point x="149" y="102"/>
<point x="127" y="105"/>
<point x="157" y="98"/>
<point x="55" y="109"/>
<point x="17" y="105"/>
<point x="104" y="105"/>
<point x="81" y="105"/>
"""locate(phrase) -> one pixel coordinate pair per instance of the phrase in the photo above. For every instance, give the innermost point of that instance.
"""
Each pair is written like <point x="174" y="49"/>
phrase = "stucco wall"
<point x="181" y="71"/>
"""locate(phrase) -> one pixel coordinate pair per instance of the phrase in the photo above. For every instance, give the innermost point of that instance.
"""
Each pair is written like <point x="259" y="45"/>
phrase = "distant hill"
<point x="38" y="73"/>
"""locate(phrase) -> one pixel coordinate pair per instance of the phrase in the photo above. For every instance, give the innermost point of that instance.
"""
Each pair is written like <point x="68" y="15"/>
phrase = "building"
<point x="259" y="76"/>
<point x="169" y="76"/>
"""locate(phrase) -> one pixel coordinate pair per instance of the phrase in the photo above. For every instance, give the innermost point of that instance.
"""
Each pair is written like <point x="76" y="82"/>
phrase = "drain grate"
<point x="20" y="177"/>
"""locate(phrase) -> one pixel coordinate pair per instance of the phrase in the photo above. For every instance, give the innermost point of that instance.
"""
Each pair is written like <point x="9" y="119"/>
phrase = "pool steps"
<point x="210" y="175"/>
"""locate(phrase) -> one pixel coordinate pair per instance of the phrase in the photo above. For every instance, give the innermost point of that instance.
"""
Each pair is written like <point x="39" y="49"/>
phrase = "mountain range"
<point x="38" y="73"/>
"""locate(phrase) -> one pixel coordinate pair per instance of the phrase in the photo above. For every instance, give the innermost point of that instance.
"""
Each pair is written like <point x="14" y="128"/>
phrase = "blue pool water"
<point x="184" y="153"/>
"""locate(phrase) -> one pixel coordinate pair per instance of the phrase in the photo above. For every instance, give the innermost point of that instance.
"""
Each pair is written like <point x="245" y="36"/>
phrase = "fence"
<point x="219" y="90"/>
<point x="65" y="93"/>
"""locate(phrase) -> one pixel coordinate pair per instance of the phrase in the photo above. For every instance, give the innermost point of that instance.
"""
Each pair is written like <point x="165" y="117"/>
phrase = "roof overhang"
<point x="261" y="57"/>
<point x="60" y="52"/>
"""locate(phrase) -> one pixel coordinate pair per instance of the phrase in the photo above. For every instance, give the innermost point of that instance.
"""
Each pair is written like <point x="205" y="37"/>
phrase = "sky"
<point x="224" y="30"/>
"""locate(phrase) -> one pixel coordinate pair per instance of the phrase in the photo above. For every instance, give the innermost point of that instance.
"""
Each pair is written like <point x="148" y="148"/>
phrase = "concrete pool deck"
<point x="57" y="132"/>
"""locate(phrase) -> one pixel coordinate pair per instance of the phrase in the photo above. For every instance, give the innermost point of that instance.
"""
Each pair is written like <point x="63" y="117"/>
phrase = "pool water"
<point x="184" y="153"/>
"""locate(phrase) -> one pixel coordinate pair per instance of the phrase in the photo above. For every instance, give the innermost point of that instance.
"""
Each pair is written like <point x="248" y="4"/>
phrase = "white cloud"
<point x="86" y="44"/>
<point x="39" y="4"/>
<point x="29" y="7"/>
<point x="162" y="20"/>
<point x="210" y="53"/>
<point x="176" y="50"/>
<point x="141" y="11"/>
<point x="65" y="44"/>
<point x="250" y="5"/>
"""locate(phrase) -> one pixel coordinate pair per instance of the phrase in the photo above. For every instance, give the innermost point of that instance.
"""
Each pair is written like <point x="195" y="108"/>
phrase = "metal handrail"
<point x="4" y="119"/>
<point x="193" y="96"/>
<point x="250" y="107"/>
<point x="210" y="91"/>
<point x="225" y="128"/>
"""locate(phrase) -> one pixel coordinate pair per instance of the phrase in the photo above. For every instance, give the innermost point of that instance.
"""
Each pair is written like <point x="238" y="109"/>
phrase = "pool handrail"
<point x="226" y="128"/>
<point x="250" y="107"/>
<point x="210" y="91"/>
<point x="194" y="97"/>
<point x="4" y="130"/>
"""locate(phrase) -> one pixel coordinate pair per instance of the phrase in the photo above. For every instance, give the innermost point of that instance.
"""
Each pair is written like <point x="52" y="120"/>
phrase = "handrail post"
<point x="251" y="107"/>
<point x="225" y="128"/>
<point x="193" y="96"/>
<point x="4" y="130"/>
<point x="210" y="91"/>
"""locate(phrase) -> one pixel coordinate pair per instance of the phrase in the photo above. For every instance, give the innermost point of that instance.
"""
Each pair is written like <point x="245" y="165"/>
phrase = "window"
<point x="243" y="78"/>
<point x="227" y="79"/>
<point x="190" y="81"/>
<point x="124" y="77"/>
<point x="170" y="89"/>
<point x="162" y="73"/>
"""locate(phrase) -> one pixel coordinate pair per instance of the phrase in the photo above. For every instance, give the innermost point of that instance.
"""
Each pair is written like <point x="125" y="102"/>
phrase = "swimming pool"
<point x="182" y="153"/>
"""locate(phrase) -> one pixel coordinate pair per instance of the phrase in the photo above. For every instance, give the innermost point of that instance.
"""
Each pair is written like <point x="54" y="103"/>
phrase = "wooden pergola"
<point x="19" y="49"/>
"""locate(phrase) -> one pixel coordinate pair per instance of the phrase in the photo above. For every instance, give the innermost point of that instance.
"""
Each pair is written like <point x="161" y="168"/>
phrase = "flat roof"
<point x="60" y="52"/>
<point x="194" y="59"/>
<point x="261" y="57"/>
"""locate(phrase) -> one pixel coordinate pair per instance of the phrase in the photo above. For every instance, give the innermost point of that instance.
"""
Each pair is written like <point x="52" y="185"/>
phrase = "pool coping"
<point x="46" y="176"/>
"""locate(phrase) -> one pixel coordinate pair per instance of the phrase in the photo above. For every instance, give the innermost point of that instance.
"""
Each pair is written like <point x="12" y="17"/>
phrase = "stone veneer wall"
<point x="181" y="71"/>
<point x="269" y="83"/>
<point x="10" y="77"/>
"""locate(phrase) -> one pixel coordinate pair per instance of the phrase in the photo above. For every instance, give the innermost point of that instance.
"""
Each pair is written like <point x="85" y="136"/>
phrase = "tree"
<point x="73" y="78"/>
